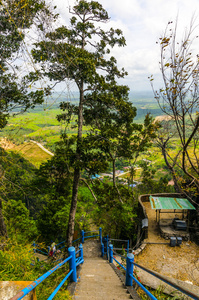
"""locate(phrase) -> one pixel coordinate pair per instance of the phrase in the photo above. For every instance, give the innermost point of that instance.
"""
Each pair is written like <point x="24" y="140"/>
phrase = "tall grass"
<point x="18" y="263"/>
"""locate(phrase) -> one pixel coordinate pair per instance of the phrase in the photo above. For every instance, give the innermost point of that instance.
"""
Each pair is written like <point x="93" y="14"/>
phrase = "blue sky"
<point x="142" y="23"/>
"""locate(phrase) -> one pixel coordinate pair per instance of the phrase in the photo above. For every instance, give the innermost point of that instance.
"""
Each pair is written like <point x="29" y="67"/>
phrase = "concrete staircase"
<point x="97" y="279"/>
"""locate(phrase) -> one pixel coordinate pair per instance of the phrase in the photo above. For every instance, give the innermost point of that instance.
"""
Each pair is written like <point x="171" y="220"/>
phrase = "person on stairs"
<point x="52" y="252"/>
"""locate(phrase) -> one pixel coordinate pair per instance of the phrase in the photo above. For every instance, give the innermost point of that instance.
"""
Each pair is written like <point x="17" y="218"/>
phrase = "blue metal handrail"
<point x="129" y="275"/>
<point x="73" y="263"/>
<point x="85" y="236"/>
<point x="38" y="250"/>
<point x="82" y="237"/>
<point x="106" y="240"/>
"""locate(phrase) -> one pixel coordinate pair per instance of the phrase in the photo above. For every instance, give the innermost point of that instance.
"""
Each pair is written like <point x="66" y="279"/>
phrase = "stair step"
<point x="99" y="281"/>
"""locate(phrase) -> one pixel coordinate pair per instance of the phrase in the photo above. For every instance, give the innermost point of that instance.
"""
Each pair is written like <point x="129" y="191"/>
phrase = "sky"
<point x="142" y="22"/>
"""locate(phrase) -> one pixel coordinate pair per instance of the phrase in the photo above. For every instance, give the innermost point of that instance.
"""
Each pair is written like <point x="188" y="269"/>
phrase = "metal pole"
<point x="81" y="251"/>
<point x="107" y="246"/>
<point x="34" y="245"/>
<point x="82" y="236"/>
<point x="102" y="249"/>
<point x="100" y="234"/>
<point x="111" y="253"/>
<point x="72" y="264"/>
<point x="127" y="247"/>
<point x="129" y="269"/>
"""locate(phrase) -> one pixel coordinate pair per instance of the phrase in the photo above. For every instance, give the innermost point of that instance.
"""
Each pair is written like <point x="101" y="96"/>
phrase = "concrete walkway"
<point x="97" y="279"/>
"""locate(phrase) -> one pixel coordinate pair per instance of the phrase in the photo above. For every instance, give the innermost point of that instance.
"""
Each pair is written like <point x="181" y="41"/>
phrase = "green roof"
<point x="170" y="203"/>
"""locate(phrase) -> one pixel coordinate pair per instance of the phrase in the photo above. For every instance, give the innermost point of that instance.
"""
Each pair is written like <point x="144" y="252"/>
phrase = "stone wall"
<point x="9" y="289"/>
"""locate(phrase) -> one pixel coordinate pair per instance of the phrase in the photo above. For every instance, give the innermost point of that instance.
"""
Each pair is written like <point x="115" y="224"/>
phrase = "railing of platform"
<point x="83" y="235"/>
<point x="130" y="277"/>
<point x="106" y="240"/>
<point x="75" y="258"/>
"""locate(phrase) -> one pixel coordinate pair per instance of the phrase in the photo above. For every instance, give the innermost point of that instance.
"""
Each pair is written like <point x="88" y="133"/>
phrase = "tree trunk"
<point x="114" y="183"/>
<point x="71" y="222"/>
<point x="76" y="177"/>
<point x="3" y="230"/>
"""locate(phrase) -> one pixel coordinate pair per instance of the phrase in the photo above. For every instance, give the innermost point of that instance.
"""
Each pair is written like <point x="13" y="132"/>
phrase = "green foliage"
<point x="86" y="207"/>
<point x="149" y="184"/>
<point x="87" y="46"/>
<point x="18" y="263"/>
<point x="52" y="220"/>
<point x="15" y="92"/>
<point x="41" y="124"/>
<point x="17" y="176"/>
<point x="116" y="219"/>
<point x="18" y="222"/>
<point x="159" y="294"/>
<point x="51" y="189"/>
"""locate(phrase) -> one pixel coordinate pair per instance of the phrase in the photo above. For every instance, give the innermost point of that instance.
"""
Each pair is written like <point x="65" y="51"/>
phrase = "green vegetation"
<point x="41" y="124"/>
<point x="19" y="264"/>
<point x="15" y="92"/>
<point x="178" y="98"/>
<point x="103" y="105"/>
<point x="47" y="197"/>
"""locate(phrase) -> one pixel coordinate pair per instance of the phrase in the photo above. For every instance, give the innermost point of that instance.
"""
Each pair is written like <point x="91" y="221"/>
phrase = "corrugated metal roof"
<point x="170" y="203"/>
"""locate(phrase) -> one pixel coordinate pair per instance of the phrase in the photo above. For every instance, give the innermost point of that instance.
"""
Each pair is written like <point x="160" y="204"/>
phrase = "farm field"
<point x="42" y="126"/>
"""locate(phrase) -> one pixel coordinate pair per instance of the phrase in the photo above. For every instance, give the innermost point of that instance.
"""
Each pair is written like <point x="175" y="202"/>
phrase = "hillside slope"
<point x="31" y="151"/>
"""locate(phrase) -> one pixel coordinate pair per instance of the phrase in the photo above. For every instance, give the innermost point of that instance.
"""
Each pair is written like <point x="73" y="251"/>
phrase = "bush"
<point x="18" y="263"/>
<point x="18" y="221"/>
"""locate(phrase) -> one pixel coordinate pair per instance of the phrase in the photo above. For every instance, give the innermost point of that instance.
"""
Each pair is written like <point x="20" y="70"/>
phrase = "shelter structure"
<point x="173" y="205"/>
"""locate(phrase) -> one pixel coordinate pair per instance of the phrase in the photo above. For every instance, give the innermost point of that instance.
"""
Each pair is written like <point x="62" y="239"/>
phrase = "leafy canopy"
<point x="16" y="17"/>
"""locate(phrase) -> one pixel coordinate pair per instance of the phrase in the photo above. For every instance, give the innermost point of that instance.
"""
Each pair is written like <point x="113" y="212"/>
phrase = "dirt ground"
<point x="6" y="144"/>
<point x="180" y="262"/>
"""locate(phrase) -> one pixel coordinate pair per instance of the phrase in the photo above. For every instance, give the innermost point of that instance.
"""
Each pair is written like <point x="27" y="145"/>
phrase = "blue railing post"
<point x="100" y="234"/>
<point x="81" y="251"/>
<point x="127" y="247"/>
<point x="107" y="246"/>
<point x="72" y="264"/>
<point x="82" y="236"/>
<point x="102" y="249"/>
<point x="129" y="269"/>
<point x="111" y="253"/>
<point x="34" y="245"/>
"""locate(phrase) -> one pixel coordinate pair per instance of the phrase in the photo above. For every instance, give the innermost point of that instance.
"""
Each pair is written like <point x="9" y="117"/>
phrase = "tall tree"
<point x="179" y="100"/>
<point x="81" y="53"/>
<point x="110" y="118"/>
<point x="16" y="16"/>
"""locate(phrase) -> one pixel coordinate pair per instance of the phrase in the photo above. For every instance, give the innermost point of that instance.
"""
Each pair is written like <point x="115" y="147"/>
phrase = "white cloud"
<point x="142" y="23"/>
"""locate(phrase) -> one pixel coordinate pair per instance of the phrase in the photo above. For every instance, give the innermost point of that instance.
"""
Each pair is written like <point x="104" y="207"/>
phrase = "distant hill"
<point x="29" y="150"/>
<point x="40" y="124"/>
<point x="144" y="102"/>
